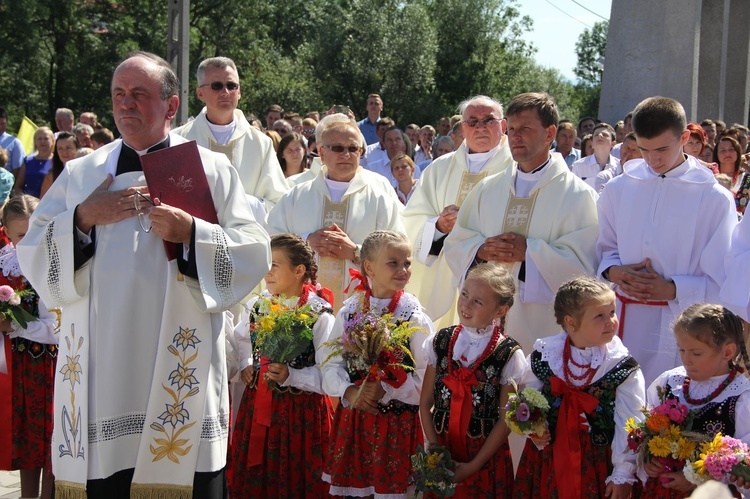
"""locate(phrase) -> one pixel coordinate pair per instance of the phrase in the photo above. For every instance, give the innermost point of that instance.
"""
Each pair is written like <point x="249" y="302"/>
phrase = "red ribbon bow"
<point x="567" y="444"/>
<point x="324" y="293"/>
<point x="459" y="382"/>
<point x="261" y="416"/>
<point x="356" y="275"/>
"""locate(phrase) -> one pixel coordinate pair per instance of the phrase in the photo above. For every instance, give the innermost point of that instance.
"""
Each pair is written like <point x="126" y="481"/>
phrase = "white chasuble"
<point x="142" y="380"/>
<point x="368" y="204"/>
<point x="559" y="221"/>
<point x="447" y="181"/>
<point x="249" y="151"/>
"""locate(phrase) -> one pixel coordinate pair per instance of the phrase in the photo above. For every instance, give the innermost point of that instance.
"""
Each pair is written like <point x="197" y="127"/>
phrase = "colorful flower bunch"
<point x="433" y="471"/>
<point x="10" y="306"/>
<point x="376" y="347"/>
<point x="283" y="332"/>
<point x="526" y="412"/>
<point x="721" y="457"/>
<point x="664" y="435"/>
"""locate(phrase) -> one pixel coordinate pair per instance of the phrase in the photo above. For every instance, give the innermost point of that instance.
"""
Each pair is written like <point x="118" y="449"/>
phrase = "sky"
<point x="555" y="34"/>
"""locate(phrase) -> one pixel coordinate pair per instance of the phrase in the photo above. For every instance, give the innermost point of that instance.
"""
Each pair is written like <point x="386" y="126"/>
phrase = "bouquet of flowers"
<point x="283" y="332"/>
<point x="376" y="347"/>
<point x="526" y="412"/>
<point x="433" y="471"/>
<point x="664" y="435"/>
<point x="10" y="305"/>
<point x="719" y="458"/>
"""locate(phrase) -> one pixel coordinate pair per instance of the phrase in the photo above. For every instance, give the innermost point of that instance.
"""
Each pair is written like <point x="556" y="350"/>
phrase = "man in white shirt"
<point x="221" y="127"/>
<point x="566" y="139"/>
<point x="375" y="152"/>
<point x="426" y="138"/>
<point x="396" y="142"/>
<point x="589" y="167"/>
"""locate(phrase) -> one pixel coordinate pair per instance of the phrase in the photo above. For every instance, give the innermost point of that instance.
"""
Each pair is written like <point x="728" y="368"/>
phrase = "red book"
<point x="175" y="175"/>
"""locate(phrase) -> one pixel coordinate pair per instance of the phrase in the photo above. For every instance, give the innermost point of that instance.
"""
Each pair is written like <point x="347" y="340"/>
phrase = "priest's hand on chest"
<point x="170" y="223"/>
<point x="507" y="247"/>
<point x="104" y="207"/>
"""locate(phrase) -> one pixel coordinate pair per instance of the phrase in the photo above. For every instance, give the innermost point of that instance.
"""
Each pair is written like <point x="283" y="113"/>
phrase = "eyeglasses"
<point x="218" y="86"/>
<point x="308" y="130"/>
<point x="142" y="220"/>
<point x="341" y="149"/>
<point x="487" y="122"/>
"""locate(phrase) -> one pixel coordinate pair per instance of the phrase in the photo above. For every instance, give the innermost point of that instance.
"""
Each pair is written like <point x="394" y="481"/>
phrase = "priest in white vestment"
<point x="141" y="399"/>
<point x="340" y="207"/>
<point x="536" y="217"/>
<point x="665" y="229"/>
<point x="223" y="128"/>
<point x="431" y="212"/>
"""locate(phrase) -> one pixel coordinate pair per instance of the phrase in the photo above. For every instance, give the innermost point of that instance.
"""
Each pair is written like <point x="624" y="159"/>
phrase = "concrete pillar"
<point x="711" y="80"/>
<point x="737" y="95"/>
<point x="653" y="48"/>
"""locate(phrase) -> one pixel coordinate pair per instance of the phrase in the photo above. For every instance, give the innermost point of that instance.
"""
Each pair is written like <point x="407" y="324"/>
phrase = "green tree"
<point x="590" y="49"/>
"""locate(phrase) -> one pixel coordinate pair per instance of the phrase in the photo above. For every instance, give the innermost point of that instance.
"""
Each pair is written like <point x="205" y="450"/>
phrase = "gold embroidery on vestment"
<point x="468" y="181"/>
<point x="332" y="271"/>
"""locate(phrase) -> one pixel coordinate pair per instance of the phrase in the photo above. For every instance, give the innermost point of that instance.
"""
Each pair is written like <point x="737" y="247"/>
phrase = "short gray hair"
<point x="480" y="99"/>
<point x="214" y="62"/>
<point x="65" y="111"/>
<point x="337" y="120"/>
<point x="83" y="127"/>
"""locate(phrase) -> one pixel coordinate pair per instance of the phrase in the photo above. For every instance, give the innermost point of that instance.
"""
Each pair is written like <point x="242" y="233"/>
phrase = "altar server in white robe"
<point x="431" y="212"/>
<point x="665" y="228"/>
<point x="222" y="127"/>
<point x="735" y="292"/>
<point x="141" y="401"/>
<point x="536" y="217"/>
<point x="340" y="207"/>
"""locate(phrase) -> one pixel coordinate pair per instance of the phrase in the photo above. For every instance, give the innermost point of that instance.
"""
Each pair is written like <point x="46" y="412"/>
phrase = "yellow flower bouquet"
<point x="282" y="333"/>
<point x="433" y="471"/>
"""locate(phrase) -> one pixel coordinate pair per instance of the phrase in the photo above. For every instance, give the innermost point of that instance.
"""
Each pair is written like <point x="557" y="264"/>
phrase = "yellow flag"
<point x="26" y="134"/>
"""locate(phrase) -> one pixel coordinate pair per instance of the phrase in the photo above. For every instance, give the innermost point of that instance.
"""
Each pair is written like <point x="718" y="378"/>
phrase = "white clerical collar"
<point x="222" y="133"/>
<point x="674" y="172"/>
<point x="534" y="174"/>
<point x="144" y="151"/>
<point x="336" y="189"/>
<point x="477" y="160"/>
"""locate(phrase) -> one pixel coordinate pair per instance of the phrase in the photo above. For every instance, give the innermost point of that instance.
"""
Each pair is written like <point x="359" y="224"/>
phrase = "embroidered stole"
<point x="332" y="271"/>
<point x="227" y="150"/>
<point x="518" y="216"/>
<point x="468" y="181"/>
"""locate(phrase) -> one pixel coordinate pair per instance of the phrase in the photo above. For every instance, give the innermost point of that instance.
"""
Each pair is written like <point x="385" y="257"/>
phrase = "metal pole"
<point x="178" y="46"/>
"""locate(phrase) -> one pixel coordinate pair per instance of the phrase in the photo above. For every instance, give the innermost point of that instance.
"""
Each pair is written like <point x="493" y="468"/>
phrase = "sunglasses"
<point x="340" y="149"/>
<point x="218" y="86"/>
<point x="487" y="122"/>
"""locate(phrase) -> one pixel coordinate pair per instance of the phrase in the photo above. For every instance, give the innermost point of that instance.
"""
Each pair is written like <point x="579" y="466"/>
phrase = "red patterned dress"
<point x="284" y="459"/>
<point x="370" y="454"/>
<point x="33" y="373"/>
<point x="494" y="359"/>
<point x="6" y="400"/>
<point x="593" y="450"/>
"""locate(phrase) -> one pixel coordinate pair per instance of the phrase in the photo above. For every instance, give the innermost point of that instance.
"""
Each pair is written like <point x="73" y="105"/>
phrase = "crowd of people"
<point x="602" y="265"/>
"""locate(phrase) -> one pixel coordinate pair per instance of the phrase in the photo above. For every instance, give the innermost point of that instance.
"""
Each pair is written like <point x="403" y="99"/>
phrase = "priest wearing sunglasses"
<point x="340" y="207"/>
<point x="223" y="128"/>
<point x="141" y="390"/>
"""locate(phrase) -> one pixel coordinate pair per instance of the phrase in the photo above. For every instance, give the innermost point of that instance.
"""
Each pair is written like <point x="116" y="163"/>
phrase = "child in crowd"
<point x="470" y="366"/>
<point x="281" y="434"/>
<point x="710" y="382"/>
<point x="583" y="370"/>
<point x="31" y="364"/>
<point x="376" y="426"/>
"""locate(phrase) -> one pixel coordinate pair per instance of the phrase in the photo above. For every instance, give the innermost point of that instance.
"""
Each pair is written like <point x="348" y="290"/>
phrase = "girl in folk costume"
<point x="376" y="426"/>
<point x="466" y="386"/>
<point x="593" y="386"/>
<point x="281" y="434"/>
<point x="710" y="383"/>
<point x="31" y="363"/>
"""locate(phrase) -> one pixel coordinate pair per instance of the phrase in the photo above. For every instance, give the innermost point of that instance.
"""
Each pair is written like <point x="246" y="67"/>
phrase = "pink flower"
<point x="671" y="408"/>
<point x="522" y="412"/>
<point x="6" y="293"/>
<point x="15" y="300"/>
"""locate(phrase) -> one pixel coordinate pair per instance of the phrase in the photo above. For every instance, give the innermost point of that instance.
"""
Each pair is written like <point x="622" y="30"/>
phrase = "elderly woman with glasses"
<point x="341" y="205"/>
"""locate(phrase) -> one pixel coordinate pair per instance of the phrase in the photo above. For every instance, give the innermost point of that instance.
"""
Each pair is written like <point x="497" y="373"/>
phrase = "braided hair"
<point x="714" y="325"/>
<point x="572" y="296"/>
<point x="298" y="252"/>
<point x="376" y="241"/>
<point x="499" y="281"/>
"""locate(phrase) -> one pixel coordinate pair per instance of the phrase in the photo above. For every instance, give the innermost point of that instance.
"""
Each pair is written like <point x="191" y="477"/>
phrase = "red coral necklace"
<point x="496" y="332"/>
<point x="686" y="389"/>
<point x="588" y="373"/>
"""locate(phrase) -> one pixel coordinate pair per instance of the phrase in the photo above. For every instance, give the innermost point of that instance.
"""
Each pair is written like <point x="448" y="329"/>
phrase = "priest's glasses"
<point x="143" y="220"/>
